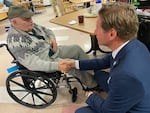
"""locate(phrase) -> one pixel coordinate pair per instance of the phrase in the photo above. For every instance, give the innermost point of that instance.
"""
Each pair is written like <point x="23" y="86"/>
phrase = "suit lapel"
<point x="123" y="52"/>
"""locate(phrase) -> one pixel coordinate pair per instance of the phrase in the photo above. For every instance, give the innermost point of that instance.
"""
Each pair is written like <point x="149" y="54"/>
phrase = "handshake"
<point x="65" y="65"/>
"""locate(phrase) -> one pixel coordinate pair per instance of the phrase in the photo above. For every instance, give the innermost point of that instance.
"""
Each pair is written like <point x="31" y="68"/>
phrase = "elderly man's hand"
<point x="53" y="43"/>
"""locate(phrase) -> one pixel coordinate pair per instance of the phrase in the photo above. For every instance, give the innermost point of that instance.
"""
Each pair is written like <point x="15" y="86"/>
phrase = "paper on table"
<point x="72" y="22"/>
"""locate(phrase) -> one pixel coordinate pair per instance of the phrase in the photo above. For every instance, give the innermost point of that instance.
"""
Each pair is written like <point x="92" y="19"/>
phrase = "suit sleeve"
<point x="124" y="93"/>
<point x="95" y="64"/>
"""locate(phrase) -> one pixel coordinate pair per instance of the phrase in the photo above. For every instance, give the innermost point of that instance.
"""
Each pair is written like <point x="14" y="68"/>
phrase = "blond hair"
<point x="120" y="16"/>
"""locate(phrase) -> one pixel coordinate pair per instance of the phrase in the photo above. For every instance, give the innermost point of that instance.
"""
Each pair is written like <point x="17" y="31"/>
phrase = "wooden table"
<point x="88" y="26"/>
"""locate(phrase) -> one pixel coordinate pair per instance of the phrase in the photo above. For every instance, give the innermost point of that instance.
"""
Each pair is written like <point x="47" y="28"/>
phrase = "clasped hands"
<point x="65" y="65"/>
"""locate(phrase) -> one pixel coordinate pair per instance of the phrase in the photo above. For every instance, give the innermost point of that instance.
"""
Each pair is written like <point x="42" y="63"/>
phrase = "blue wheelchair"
<point x="36" y="89"/>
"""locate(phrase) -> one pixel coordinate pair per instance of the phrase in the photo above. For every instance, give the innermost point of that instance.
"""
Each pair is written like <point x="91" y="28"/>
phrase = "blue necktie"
<point x="111" y="61"/>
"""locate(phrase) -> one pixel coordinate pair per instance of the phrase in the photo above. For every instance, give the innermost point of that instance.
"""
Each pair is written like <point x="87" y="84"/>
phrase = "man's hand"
<point x="66" y="64"/>
<point x="53" y="44"/>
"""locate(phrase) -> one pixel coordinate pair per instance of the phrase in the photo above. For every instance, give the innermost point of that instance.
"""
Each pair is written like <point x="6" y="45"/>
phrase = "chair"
<point x="143" y="32"/>
<point x="74" y="5"/>
<point x="68" y="6"/>
<point x="38" y="6"/>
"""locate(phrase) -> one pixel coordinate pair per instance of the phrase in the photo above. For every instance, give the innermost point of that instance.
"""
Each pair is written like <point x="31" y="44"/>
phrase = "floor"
<point x="64" y="36"/>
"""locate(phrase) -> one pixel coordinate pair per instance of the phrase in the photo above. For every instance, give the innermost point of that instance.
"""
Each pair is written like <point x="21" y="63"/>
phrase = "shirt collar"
<point x="115" y="52"/>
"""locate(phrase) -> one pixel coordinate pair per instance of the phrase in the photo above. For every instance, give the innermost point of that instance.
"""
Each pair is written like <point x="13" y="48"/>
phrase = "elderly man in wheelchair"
<point x="38" y="59"/>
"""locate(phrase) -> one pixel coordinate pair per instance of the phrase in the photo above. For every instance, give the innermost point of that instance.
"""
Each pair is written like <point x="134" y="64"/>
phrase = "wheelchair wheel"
<point x="30" y="90"/>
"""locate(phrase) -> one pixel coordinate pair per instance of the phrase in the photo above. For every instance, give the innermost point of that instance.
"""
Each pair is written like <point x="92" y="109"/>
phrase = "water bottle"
<point x="98" y="5"/>
<point x="136" y="2"/>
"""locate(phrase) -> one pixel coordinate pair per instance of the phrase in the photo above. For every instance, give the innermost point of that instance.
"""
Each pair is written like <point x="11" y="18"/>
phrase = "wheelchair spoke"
<point x="19" y="90"/>
<point x="25" y="96"/>
<point x="41" y="98"/>
<point x="18" y="84"/>
<point x="33" y="98"/>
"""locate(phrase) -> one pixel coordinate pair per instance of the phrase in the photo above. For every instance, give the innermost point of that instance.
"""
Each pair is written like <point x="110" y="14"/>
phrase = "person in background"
<point x="58" y="7"/>
<point x="35" y="46"/>
<point x="31" y="6"/>
<point x="7" y="3"/>
<point x="127" y="84"/>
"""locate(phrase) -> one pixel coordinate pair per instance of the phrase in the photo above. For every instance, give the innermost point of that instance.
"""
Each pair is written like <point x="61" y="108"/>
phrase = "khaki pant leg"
<point x="86" y="77"/>
<point x="54" y="4"/>
<point x="61" y="7"/>
<point x="72" y="52"/>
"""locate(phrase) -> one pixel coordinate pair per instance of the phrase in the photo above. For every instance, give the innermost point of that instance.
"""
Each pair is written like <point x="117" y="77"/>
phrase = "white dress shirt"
<point x="114" y="53"/>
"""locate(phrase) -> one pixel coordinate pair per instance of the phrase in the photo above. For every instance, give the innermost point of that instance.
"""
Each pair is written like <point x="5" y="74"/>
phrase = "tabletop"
<point x="88" y="26"/>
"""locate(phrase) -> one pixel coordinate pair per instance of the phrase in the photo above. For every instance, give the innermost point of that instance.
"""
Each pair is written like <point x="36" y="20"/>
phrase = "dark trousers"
<point x="101" y="78"/>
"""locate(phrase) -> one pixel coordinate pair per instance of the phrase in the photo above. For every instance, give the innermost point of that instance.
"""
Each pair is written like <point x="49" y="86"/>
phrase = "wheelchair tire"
<point x="37" y="92"/>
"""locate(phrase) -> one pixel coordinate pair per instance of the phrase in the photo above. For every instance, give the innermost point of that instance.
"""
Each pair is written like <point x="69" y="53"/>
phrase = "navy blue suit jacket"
<point x="129" y="86"/>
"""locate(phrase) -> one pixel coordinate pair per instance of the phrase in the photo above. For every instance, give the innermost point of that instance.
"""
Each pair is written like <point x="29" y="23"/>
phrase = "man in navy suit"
<point x="128" y="82"/>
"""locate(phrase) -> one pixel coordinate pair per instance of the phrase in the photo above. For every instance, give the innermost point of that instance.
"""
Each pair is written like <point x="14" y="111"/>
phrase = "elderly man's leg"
<point x="86" y="78"/>
<point x="72" y="52"/>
